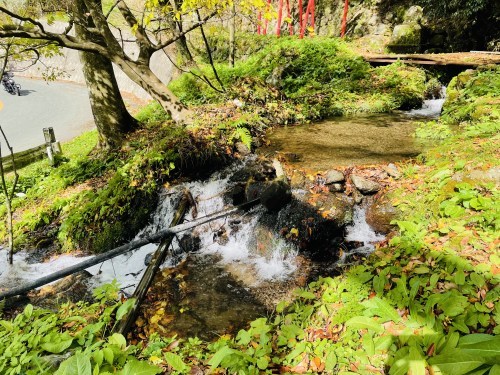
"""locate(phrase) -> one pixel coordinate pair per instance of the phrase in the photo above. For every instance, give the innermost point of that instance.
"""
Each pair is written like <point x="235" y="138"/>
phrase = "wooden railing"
<point x="23" y="158"/>
<point x="48" y="149"/>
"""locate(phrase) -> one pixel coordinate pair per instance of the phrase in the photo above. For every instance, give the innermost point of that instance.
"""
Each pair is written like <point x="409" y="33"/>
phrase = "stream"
<point x="227" y="272"/>
<point x="356" y="140"/>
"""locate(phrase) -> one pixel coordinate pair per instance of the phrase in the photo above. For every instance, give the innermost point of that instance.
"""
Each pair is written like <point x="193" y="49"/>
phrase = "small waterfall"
<point x="232" y="239"/>
<point x="431" y="108"/>
<point x="360" y="231"/>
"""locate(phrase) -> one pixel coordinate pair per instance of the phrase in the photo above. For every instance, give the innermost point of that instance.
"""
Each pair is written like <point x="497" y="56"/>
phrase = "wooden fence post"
<point x="52" y="146"/>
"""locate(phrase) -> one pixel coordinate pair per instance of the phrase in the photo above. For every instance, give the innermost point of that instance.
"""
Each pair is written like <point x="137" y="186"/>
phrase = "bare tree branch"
<point x="62" y="40"/>
<point x="145" y="45"/>
<point x="21" y="18"/>
<point x="186" y="31"/>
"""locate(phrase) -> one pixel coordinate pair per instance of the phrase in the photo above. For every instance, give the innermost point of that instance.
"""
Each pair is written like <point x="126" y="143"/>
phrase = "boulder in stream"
<point x="364" y="185"/>
<point x="276" y="195"/>
<point x="333" y="176"/>
<point x="380" y="213"/>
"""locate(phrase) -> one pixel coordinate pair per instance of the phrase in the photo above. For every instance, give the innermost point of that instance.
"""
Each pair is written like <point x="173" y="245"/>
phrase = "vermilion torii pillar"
<point x="304" y="20"/>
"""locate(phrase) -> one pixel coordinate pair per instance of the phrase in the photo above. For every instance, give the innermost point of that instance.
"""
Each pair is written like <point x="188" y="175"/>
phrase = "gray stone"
<point x="406" y="34"/>
<point x="242" y="149"/>
<point x="274" y="79"/>
<point x="254" y="189"/>
<point x="392" y="171"/>
<point x="380" y="214"/>
<point x="333" y="176"/>
<point x="492" y="174"/>
<point x="364" y="185"/>
<point x="414" y="14"/>
<point x="335" y="188"/>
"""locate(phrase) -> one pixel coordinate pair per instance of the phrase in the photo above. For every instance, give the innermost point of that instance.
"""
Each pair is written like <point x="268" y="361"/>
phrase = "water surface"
<point x="348" y="141"/>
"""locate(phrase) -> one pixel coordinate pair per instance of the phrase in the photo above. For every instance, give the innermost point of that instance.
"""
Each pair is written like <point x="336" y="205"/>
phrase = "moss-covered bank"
<point x="291" y="80"/>
<point x="425" y="302"/>
<point x="93" y="202"/>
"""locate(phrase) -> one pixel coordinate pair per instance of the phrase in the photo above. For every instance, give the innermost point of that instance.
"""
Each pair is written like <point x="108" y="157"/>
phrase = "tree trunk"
<point x="232" y="37"/>
<point x="181" y="43"/>
<point x="110" y="114"/>
<point x="111" y="117"/>
<point x="144" y="77"/>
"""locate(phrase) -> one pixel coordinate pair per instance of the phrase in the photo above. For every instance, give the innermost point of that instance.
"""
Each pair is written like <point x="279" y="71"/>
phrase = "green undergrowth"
<point x="36" y="341"/>
<point x="291" y="80"/>
<point x="426" y="302"/>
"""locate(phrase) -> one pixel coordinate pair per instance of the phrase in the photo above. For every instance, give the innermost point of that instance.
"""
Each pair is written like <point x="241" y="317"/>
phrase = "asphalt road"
<point x="61" y="105"/>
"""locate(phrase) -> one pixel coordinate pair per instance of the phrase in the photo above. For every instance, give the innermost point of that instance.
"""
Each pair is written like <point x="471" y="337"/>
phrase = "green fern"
<point x="243" y="135"/>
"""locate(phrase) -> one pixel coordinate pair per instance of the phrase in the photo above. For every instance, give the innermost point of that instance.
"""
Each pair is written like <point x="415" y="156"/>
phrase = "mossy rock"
<point x="413" y="15"/>
<point x="406" y="38"/>
<point x="463" y="78"/>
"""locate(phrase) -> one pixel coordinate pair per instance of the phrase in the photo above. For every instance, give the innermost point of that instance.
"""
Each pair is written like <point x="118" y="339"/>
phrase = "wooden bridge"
<point x="472" y="59"/>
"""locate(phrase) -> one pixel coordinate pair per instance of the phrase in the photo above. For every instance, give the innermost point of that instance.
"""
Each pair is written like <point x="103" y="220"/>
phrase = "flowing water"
<point x="236" y="274"/>
<point x="348" y="141"/>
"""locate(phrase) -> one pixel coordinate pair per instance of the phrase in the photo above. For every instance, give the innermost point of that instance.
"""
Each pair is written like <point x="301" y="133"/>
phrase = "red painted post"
<point x="280" y="18"/>
<point x="306" y="19"/>
<point x="259" y="21"/>
<point x="344" y="19"/>
<point x="301" y="21"/>
<point x="312" y="14"/>
<point x="267" y="21"/>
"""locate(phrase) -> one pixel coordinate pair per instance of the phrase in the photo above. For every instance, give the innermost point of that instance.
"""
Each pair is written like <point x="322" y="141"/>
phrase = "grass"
<point x="425" y="302"/>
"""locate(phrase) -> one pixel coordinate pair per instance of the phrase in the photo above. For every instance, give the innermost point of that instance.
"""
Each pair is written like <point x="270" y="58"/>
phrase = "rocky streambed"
<point x="222" y="274"/>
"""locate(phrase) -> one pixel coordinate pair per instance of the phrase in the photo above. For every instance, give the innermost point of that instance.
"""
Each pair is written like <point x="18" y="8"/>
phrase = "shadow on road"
<point x="26" y="92"/>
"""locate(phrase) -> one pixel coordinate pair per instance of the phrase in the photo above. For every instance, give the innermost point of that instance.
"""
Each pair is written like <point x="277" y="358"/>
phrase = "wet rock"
<point x="406" y="38"/>
<point x="333" y="176"/>
<point x="254" y="189"/>
<point x="221" y="236"/>
<point x="335" y="188"/>
<point x="357" y="196"/>
<point x="379" y="215"/>
<point x="337" y="207"/>
<point x="276" y="195"/>
<point x="319" y="235"/>
<point x="190" y="243"/>
<point x="393" y="171"/>
<point x="236" y="195"/>
<point x="258" y="170"/>
<point x="242" y="149"/>
<point x="298" y="180"/>
<point x="364" y="185"/>
<point x="72" y="288"/>
<point x="148" y="258"/>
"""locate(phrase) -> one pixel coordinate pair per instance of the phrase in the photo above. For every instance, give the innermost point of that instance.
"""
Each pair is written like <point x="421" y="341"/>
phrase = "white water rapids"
<point x="239" y="251"/>
<point x="431" y="108"/>
<point x="127" y="269"/>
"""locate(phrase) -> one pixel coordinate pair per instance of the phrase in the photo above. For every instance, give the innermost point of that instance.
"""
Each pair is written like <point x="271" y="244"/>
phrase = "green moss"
<point x="316" y="78"/>
<point x="416" y="294"/>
